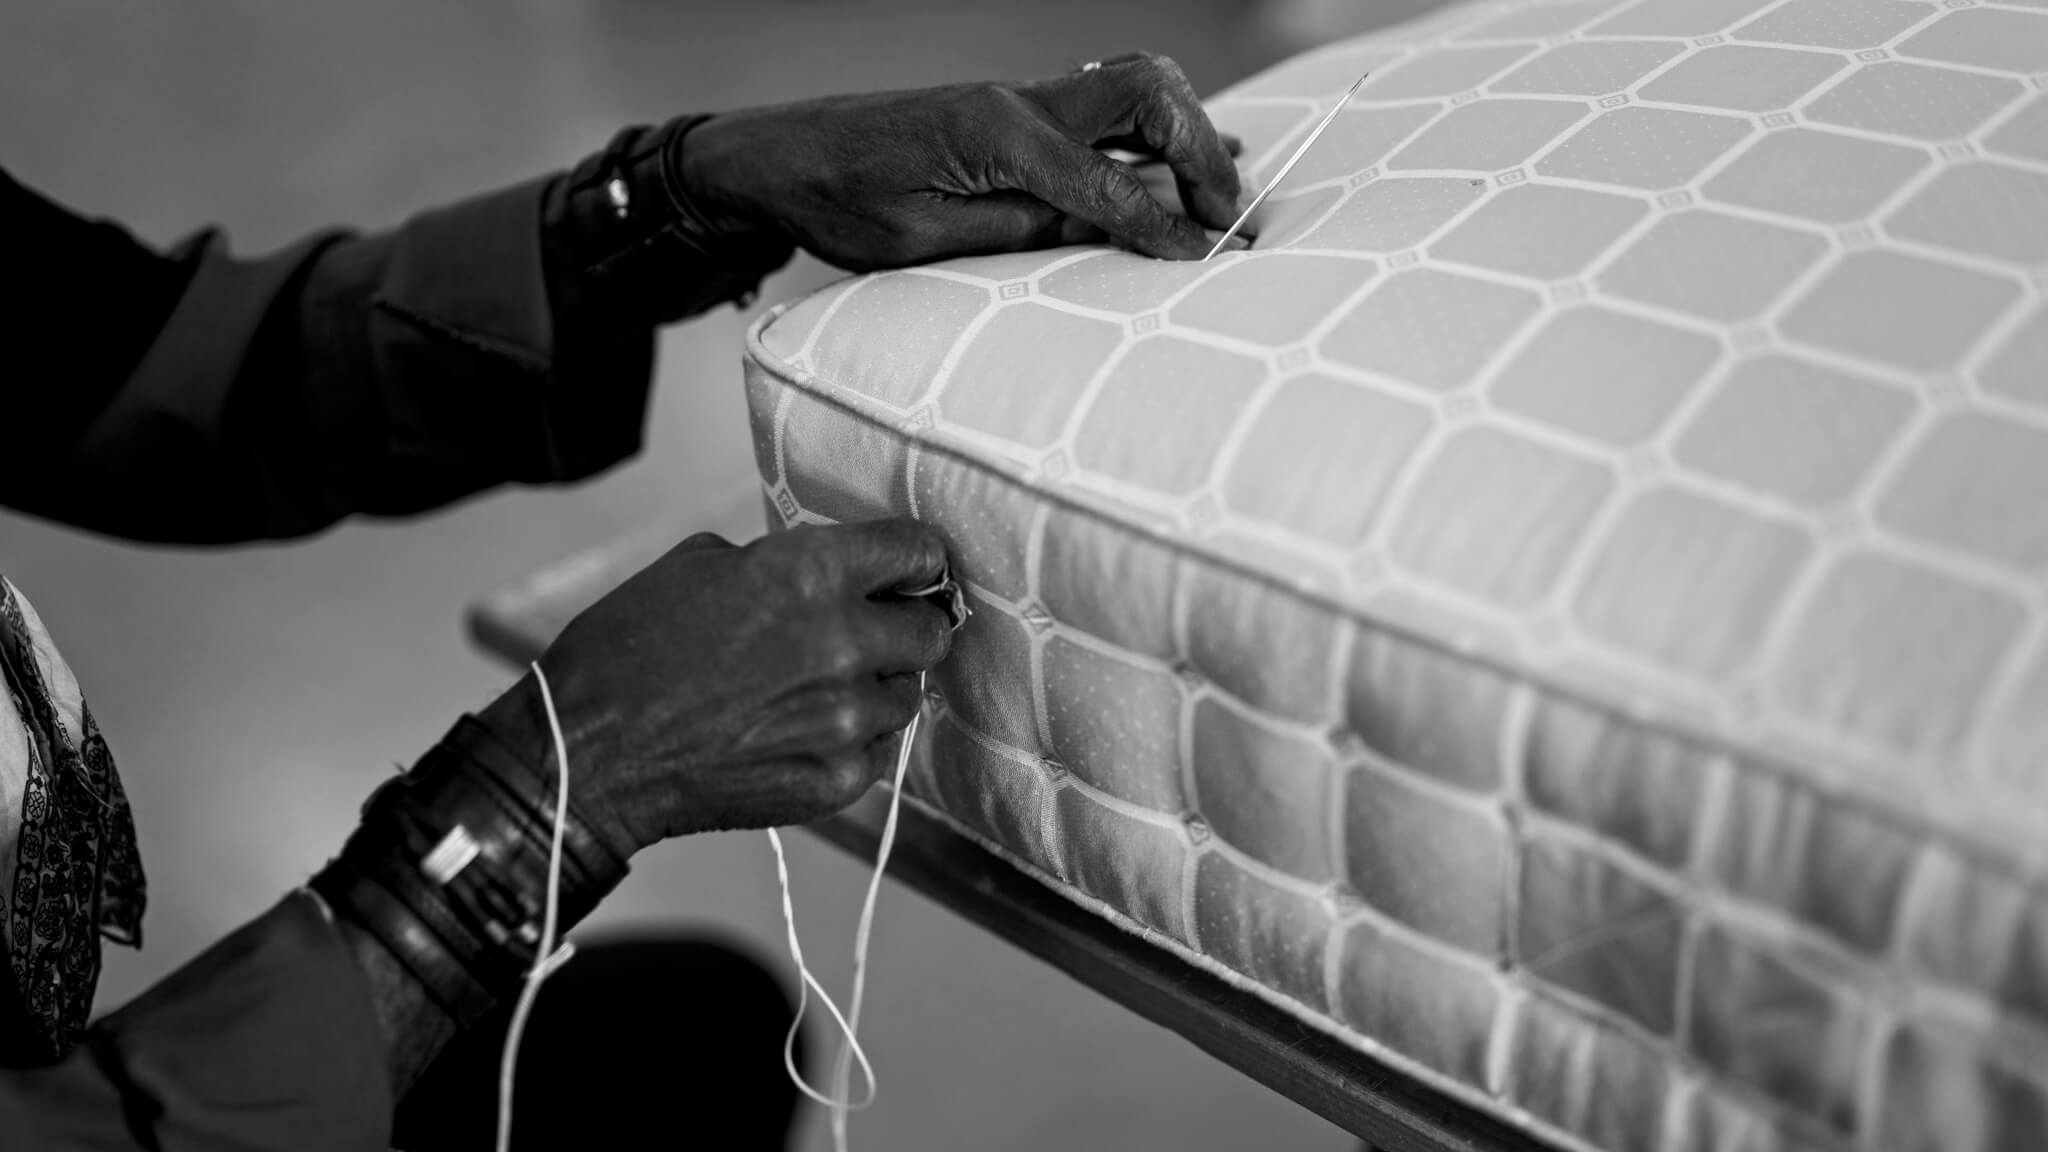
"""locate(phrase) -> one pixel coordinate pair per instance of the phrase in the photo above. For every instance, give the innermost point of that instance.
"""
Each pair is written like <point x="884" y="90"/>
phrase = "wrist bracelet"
<point x="597" y="854"/>
<point x="416" y="946"/>
<point x="449" y="868"/>
<point x="750" y="256"/>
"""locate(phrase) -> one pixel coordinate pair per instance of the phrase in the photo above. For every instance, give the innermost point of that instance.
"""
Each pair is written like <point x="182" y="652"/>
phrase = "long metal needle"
<point x="1288" y="167"/>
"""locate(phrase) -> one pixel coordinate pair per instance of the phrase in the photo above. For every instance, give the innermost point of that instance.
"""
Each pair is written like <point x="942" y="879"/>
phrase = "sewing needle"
<point x="1288" y="167"/>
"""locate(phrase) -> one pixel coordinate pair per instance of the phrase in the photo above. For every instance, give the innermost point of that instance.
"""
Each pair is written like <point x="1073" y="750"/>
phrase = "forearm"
<point x="631" y="244"/>
<point x="507" y="338"/>
<point x="299" y="1030"/>
<point x="352" y="374"/>
<point x="413" y="1027"/>
<point x="440" y="892"/>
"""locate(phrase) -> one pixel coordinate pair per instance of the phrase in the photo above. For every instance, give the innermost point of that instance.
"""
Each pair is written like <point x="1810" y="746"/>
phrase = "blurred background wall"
<point x="254" y="696"/>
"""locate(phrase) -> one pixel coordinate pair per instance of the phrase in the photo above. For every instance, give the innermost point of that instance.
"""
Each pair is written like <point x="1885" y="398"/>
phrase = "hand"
<point x="901" y="178"/>
<point x="741" y="687"/>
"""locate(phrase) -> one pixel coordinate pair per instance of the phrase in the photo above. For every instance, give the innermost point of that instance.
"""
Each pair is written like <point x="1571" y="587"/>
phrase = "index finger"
<point x="886" y="555"/>
<point x="1091" y="188"/>
<point x="1146" y="103"/>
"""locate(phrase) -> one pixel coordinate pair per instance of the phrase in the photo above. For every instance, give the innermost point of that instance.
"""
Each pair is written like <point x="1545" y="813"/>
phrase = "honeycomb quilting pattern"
<point x="1567" y="610"/>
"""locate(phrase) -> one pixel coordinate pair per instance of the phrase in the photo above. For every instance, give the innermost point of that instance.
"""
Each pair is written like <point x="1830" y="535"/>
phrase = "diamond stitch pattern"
<point x="1675" y="18"/>
<point x="1567" y="610"/>
<point x="1594" y="68"/>
<point x="1713" y="265"/>
<point x="1430" y="327"/>
<point x="1540" y="231"/>
<point x="1914" y="101"/>
<point x="1815" y="175"/>
<point x="1604" y="375"/>
<point x="1491" y="136"/>
<point x="1743" y="78"/>
<point x="1393" y="214"/>
<point x="2025" y="135"/>
<point x="1447" y="72"/>
<point x="1990" y="210"/>
<point x="1846" y="24"/>
<point x="1652" y="148"/>
<point x="1909" y="311"/>
<point x="1800" y="431"/>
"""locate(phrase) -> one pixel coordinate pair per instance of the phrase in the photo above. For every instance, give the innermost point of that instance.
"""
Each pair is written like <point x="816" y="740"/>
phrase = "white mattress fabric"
<point x="1565" y="610"/>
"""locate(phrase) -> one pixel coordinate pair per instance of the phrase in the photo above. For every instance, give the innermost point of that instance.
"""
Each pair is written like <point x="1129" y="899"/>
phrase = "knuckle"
<point x="842" y="774"/>
<point x="839" y="657"/>
<point x="850" y="776"/>
<point x="773" y="556"/>
<point x="703" y="540"/>
<point x="846" y="724"/>
<point x="689" y="554"/>
<point x="1165" y="74"/>
<point x="1181" y="139"/>
<point x="988" y="103"/>
<point x="812" y="573"/>
<point x="773" y="546"/>
<point x="1126" y="200"/>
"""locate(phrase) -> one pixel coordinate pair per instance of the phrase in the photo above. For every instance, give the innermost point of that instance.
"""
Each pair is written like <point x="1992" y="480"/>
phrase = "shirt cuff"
<point x="477" y="278"/>
<point x="628" y="249"/>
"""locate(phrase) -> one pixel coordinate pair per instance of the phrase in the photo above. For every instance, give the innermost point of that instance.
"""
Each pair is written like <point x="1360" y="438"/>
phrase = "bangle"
<point x="597" y="855"/>
<point x="749" y="254"/>
<point x="320" y="904"/>
<point x="410" y="939"/>
<point x="449" y="868"/>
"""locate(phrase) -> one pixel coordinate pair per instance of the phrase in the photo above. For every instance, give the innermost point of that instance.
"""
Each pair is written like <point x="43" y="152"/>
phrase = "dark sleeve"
<point x="267" y="1041"/>
<point x="191" y="396"/>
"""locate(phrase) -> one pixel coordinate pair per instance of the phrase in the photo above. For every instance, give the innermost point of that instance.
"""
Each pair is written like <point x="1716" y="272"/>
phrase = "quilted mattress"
<point x="1564" y="612"/>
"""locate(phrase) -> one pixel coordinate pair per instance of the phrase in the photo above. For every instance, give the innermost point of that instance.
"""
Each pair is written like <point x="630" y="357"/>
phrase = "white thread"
<point x="546" y="960"/>
<point x="1286" y="168"/>
<point x="843" y="1072"/>
<point x="849" y="1024"/>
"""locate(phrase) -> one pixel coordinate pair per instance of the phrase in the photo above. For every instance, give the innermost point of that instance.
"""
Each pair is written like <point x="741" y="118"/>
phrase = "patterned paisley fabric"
<point x="69" y="870"/>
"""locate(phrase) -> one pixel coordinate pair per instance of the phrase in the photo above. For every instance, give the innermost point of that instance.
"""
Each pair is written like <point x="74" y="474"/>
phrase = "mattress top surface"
<point x="1688" y="354"/>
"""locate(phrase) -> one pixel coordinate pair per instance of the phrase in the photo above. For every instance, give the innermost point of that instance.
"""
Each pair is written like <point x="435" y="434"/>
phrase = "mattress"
<point x="1564" y="612"/>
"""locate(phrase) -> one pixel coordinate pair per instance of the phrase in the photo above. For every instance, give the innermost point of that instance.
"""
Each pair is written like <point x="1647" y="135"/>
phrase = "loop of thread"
<point x="548" y="958"/>
<point x="840" y="1101"/>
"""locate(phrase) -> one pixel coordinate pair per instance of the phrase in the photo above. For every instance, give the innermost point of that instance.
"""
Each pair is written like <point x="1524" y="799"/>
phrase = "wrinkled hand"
<point x="900" y="178"/>
<point x="741" y="687"/>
